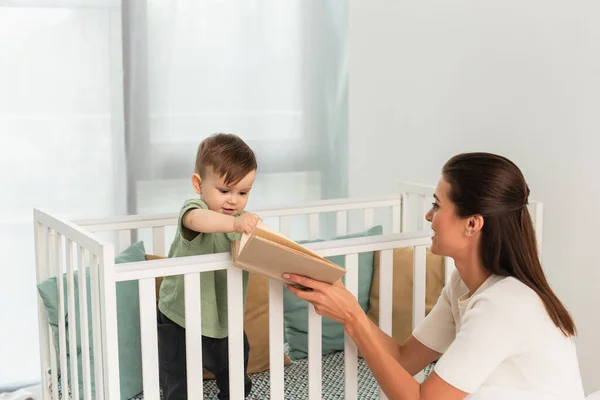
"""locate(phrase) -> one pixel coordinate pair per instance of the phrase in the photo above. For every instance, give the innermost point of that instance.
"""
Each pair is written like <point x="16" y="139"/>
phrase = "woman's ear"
<point x="197" y="183"/>
<point x="474" y="225"/>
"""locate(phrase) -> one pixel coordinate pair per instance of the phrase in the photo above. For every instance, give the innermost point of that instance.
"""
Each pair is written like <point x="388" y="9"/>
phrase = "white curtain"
<point x="103" y="102"/>
<point x="60" y="146"/>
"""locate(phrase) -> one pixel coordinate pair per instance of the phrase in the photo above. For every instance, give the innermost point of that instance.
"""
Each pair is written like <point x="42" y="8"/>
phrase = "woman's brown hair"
<point x="494" y="187"/>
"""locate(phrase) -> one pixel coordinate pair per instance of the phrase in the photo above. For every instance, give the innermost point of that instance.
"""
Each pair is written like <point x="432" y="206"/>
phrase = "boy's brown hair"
<point x="228" y="155"/>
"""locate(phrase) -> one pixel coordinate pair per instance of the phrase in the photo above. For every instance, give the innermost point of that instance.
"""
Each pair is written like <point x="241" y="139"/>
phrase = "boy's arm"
<point x="207" y="221"/>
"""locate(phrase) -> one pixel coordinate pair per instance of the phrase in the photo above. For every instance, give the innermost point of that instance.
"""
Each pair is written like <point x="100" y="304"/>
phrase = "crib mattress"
<point x="296" y="381"/>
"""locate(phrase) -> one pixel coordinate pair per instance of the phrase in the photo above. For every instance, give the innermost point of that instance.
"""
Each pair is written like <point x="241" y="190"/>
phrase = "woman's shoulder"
<point x="504" y="295"/>
<point x="511" y="297"/>
<point x="510" y="289"/>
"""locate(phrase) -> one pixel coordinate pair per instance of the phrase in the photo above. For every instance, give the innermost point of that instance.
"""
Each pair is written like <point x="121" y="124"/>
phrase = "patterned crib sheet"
<point x="296" y="381"/>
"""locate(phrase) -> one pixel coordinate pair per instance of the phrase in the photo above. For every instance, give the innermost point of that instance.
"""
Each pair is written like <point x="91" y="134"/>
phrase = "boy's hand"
<point x="245" y="223"/>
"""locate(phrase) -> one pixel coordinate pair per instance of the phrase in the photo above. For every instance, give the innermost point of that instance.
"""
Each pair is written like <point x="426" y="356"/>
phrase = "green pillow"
<point x="296" y="311"/>
<point x="128" y="324"/>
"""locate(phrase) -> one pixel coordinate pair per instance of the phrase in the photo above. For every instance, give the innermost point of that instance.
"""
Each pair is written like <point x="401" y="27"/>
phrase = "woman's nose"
<point x="428" y="215"/>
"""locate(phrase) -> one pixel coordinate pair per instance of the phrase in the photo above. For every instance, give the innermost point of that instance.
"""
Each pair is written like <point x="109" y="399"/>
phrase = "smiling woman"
<point x="498" y="330"/>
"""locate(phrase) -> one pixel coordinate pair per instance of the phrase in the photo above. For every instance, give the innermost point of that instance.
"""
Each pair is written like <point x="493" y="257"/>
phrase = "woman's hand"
<point x="331" y="301"/>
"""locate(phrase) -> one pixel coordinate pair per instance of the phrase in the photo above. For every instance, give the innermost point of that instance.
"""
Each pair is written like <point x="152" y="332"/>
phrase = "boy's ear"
<point x="197" y="183"/>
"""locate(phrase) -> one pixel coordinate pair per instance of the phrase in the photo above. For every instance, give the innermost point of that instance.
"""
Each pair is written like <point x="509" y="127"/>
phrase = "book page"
<point x="278" y="238"/>
<point x="243" y="241"/>
<point x="262" y="226"/>
<point x="265" y="231"/>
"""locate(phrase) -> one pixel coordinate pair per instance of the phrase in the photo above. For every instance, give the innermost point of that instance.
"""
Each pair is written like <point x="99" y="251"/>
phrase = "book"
<point x="268" y="252"/>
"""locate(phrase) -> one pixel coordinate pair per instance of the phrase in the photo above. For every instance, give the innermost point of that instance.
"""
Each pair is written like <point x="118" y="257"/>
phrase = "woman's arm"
<point x="412" y="354"/>
<point x="392" y="373"/>
<point x="389" y="363"/>
<point x="415" y="356"/>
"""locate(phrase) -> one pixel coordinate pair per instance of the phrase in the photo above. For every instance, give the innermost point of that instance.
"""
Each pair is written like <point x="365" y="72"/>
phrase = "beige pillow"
<point x="256" y="322"/>
<point x="403" y="289"/>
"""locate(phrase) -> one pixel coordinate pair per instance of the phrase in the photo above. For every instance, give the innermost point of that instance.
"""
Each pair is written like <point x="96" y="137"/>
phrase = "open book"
<point x="269" y="253"/>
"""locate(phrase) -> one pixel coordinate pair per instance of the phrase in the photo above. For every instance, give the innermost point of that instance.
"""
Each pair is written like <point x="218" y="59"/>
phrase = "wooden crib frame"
<point x="53" y="235"/>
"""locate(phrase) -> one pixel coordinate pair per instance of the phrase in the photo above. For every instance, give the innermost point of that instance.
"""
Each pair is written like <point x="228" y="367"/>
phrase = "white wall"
<point x="520" y="78"/>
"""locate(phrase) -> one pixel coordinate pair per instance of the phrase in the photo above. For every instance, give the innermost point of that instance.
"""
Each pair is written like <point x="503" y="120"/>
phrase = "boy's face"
<point x="218" y="196"/>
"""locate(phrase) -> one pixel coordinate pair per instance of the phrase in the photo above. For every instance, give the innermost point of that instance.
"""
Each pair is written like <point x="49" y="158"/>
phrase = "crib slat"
<point x="420" y="212"/>
<point x="51" y="240"/>
<point x="96" y="327"/>
<point x="386" y="275"/>
<point x="419" y="288"/>
<point x="386" y="281"/>
<point x="83" y="318"/>
<point x="124" y="239"/>
<point x="314" y="354"/>
<point x="72" y="321"/>
<point x="404" y="223"/>
<point x="341" y="223"/>
<point x="276" y="339"/>
<point x="41" y="262"/>
<point x="350" y="352"/>
<point x="419" y="276"/>
<point x="158" y="240"/>
<point x="285" y="226"/>
<point x="235" y="322"/>
<point x="396" y="221"/>
<point x="147" y="294"/>
<point x="369" y="217"/>
<point x="53" y="367"/>
<point x="313" y="224"/>
<point x="62" y="331"/>
<point x="193" y="328"/>
<point x="108" y="310"/>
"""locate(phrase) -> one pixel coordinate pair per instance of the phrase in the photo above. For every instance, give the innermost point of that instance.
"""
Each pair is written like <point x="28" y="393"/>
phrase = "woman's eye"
<point x="435" y="206"/>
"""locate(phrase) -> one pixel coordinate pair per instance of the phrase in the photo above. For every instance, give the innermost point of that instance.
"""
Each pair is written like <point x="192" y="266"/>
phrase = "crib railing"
<point x="126" y="225"/>
<point x="56" y="241"/>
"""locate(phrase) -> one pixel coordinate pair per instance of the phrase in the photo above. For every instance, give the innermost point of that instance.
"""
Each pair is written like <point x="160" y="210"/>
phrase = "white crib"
<point x="64" y="247"/>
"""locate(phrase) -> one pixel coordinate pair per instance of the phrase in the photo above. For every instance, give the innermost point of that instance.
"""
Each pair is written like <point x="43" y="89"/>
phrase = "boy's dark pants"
<point x="172" y="362"/>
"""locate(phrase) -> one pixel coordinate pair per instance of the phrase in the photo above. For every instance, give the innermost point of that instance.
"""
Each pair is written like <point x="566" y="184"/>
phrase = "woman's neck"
<point x="472" y="272"/>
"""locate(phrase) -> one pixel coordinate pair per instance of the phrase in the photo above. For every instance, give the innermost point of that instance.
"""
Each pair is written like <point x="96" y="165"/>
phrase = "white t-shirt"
<point x="500" y="343"/>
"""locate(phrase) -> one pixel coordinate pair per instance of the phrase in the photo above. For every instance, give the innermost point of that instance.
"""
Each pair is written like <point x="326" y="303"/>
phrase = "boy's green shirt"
<point x="213" y="288"/>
